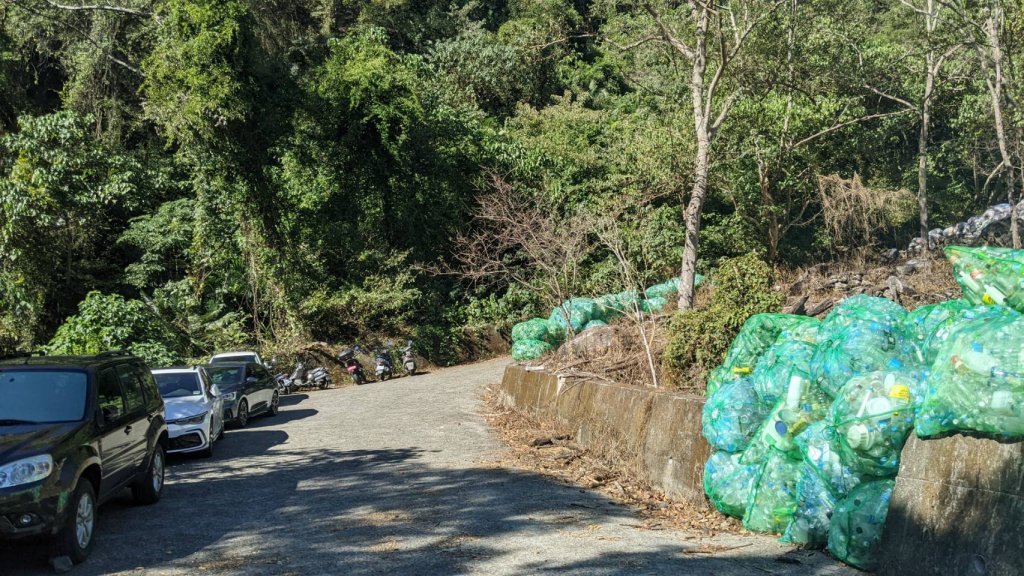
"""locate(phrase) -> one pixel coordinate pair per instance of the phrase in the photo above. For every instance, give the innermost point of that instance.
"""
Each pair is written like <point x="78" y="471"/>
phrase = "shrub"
<point x="109" y="322"/>
<point x="698" y="338"/>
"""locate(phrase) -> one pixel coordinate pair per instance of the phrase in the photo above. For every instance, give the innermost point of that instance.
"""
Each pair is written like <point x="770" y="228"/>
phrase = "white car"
<point x="193" y="408"/>
<point x="241" y="356"/>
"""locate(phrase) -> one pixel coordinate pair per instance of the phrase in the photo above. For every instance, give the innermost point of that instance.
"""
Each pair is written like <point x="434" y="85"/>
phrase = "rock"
<point x="592" y="343"/>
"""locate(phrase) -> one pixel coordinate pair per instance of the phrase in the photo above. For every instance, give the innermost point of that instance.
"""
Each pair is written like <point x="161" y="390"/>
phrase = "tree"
<point x="709" y="38"/>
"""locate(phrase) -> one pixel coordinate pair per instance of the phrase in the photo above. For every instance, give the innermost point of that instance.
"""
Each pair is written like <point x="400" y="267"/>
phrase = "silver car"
<point x="194" y="409"/>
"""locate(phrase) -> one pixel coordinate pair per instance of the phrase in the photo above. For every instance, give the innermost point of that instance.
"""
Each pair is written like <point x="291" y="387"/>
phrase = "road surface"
<point x="392" y="479"/>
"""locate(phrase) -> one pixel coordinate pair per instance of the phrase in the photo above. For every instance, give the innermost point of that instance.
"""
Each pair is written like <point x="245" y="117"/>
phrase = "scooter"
<point x="384" y="368"/>
<point x="318" y="378"/>
<point x="409" y="359"/>
<point x="353" y="366"/>
<point x="298" y="376"/>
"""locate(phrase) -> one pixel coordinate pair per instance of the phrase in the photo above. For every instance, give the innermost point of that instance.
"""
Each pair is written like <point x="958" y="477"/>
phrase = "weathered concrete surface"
<point x="958" y="509"/>
<point x="661" y="430"/>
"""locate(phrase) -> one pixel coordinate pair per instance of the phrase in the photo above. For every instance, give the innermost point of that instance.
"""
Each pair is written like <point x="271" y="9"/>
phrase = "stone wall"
<point x="660" y="430"/>
<point x="957" y="510"/>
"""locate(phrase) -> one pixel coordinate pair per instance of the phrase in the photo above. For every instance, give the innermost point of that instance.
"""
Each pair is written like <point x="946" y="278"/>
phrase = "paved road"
<point x="392" y="479"/>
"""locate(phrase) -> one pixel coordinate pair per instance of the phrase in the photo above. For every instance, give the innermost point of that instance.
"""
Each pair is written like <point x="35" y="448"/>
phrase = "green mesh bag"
<point x="942" y="334"/>
<point x="666" y="290"/>
<point x="860" y="346"/>
<point x="732" y="415"/>
<point x="855" y="531"/>
<point x="988" y="276"/>
<point x="612" y="306"/>
<point x="535" y="329"/>
<point x="784" y="360"/>
<point x="529" y="349"/>
<point x="651" y="305"/>
<point x="669" y="289"/>
<point x="758" y="333"/>
<point x="860" y="307"/>
<point x="872" y="416"/>
<point x="815" y="503"/>
<point x="594" y="324"/>
<point x="923" y="323"/>
<point x="801" y="329"/>
<point x="719" y="377"/>
<point x="802" y="405"/>
<point x="977" y="381"/>
<point x="727" y="483"/>
<point x="820" y="449"/>
<point x="773" y="498"/>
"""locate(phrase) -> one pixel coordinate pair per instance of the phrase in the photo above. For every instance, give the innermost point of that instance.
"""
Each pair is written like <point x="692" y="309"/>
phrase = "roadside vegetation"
<point x="180" y="177"/>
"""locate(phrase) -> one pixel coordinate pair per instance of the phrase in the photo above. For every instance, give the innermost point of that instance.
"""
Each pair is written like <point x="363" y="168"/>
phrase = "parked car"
<point x="242" y="356"/>
<point x="247" y="389"/>
<point x="194" y="409"/>
<point x="75" y="431"/>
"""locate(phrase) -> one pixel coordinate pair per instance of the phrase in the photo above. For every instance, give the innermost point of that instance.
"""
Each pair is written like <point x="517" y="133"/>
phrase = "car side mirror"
<point x="214" y="391"/>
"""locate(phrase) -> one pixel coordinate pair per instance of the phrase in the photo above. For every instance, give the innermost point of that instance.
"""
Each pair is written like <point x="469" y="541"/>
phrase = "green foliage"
<point x="109" y="322"/>
<point x="195" y="82"/>
<point x="699" y="338"/>
<point x="60" y="192"/>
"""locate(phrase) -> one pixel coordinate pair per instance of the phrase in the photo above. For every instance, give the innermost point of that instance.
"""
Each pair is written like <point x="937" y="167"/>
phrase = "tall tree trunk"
<point x="922" y="148"/>
<point x="701" y="164"/>
<point x="995" y="87"/>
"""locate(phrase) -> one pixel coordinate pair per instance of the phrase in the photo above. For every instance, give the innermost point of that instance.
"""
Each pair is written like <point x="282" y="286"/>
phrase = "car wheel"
<point x="75" y="538"/>
<point x="275" y="404"/>
<point x="243" y="414"/>
<point x="151" y="486"/>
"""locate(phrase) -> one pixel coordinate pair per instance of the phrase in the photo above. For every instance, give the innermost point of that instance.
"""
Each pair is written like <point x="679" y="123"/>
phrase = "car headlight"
<point x="190" y="421"/>
<point x="25" y="471"/>
<point x="229" y="396"/>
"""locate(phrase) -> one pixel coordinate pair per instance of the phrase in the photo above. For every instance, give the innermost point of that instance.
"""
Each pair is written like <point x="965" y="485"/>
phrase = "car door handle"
<point x="128" y="429"/>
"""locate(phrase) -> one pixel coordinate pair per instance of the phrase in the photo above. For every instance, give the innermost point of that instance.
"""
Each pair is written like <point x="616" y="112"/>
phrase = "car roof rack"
<point x="113" y="353"/>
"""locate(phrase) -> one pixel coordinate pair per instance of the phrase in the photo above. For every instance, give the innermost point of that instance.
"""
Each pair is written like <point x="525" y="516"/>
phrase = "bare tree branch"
<point x="842" y="125"/>
<point x="101" y="7"/>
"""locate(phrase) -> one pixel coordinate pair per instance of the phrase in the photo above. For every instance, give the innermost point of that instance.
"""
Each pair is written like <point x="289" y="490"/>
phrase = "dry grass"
<point x="613" y="470"/>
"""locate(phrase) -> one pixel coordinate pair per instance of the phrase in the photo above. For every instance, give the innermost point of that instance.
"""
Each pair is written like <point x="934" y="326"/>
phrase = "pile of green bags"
<point x="539" y="336"/>
<point x="808" y="419"/>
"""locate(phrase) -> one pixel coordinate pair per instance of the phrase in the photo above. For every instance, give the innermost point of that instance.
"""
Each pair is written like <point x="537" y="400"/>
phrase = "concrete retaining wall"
<point x="958" y="509"/>
<point x="661" y="430"/>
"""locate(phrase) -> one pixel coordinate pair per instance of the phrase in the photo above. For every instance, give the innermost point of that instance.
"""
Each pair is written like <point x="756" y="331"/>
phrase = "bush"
<point x="698" y="338"/>
<point x="109" y="322"/>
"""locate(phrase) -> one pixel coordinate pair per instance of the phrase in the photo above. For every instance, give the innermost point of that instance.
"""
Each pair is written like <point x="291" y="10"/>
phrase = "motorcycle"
<point x="294" y="382"/>
<point x="353" y="366"/>
<point x="409" y="359"/>
<point x="318" y="378"/>
<point x="384" y="367"/>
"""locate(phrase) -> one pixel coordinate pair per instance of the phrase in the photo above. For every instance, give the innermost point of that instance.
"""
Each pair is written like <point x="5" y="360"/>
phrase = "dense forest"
<point x="184" y="176"/>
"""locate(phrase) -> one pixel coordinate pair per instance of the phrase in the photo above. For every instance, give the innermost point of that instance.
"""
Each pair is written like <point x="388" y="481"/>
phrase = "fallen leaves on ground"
<point x="548" y="449"/>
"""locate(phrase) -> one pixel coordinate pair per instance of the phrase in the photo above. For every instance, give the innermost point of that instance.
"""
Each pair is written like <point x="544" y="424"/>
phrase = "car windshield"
<point x="178" y="384"/>
<point x="233" y="358"/>
<point x="226" y="376"/>
<point x="42" y="396"/>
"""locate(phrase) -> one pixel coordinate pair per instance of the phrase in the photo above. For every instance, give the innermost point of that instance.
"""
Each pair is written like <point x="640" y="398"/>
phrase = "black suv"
<point x="73" y="432"/>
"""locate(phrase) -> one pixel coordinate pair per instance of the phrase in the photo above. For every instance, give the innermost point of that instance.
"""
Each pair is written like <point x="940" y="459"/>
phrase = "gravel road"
<point x="391" y="478"/>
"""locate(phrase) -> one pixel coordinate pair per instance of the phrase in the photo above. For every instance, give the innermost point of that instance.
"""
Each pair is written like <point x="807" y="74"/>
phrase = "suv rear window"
<point x="178" y="384"/>
<point x="42" y="396"/>
<point x="226" y="376"/>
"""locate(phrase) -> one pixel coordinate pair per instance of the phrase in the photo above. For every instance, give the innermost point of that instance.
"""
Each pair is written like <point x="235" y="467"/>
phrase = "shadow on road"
<point x="350" y="512"/>
<point x="282" y="417"/>
<point x="293" y="399"/>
